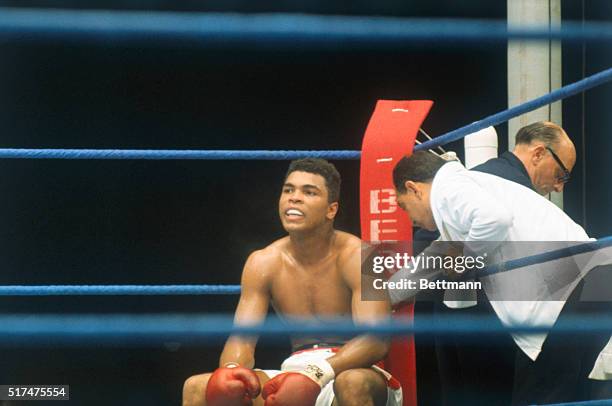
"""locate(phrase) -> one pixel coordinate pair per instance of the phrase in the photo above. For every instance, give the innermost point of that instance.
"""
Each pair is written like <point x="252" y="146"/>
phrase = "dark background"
<point x="173" y="222"/>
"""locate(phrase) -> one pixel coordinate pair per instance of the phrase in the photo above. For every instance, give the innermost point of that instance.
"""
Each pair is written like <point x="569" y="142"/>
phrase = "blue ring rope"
<point x="565" y="91"/>
<point x="547" y="256"/>
<point x="141" y="329"/>
<point x="277" y="29"/>
<point x="599" y="402"/>
<point x="172" y="154"/>
<point x="117" y="290"/>
<point x="131" y="290"/>
<point x="503" y="116"/>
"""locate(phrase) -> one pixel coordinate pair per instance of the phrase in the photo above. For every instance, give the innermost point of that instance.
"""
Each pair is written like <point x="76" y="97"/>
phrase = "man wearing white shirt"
<point x="475" y="207"/>
<point x="542" y="160"/>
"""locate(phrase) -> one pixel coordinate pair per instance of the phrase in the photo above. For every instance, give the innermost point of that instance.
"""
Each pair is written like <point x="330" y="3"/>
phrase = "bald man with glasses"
<point x="542" y="159"/>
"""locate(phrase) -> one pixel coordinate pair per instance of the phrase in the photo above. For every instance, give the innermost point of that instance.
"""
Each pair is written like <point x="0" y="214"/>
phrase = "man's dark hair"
<point x="543" y="131"/>
<point x="319" y="167"/>
<point x="421" y="166"/>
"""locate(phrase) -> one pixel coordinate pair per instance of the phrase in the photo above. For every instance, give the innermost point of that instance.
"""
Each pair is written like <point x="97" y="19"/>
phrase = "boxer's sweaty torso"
<point x="317" y="290"/>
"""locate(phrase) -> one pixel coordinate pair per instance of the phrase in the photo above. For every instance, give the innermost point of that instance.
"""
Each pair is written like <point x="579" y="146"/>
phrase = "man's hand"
<point x="231" y="386"/>
<point x="298" y="388"/>
<point x="453" y="250"/>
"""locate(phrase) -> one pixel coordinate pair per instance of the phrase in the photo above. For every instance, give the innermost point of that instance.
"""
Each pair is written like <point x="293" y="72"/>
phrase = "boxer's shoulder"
<point x="347" y="245"/>
<point x="348" y="259"/>
<point x="264" y="261"/>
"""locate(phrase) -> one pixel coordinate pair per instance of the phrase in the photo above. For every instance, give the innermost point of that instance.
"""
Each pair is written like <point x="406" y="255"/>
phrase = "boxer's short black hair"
<point x="319" y="167"/>
<point x="421" y="166"/>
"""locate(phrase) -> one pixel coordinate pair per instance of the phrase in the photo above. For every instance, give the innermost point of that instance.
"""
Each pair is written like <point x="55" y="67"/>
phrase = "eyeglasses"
<point x="566" y="174"/>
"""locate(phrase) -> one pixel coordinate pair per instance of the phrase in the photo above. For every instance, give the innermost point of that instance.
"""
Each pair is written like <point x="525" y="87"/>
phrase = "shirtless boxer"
<point x="311" y="274"/>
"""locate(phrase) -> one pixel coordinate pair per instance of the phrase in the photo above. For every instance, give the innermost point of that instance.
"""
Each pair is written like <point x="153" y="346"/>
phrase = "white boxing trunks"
<point x="299" y="359"/>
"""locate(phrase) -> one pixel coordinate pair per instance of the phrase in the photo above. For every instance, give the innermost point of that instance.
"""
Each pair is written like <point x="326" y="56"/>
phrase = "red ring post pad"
<point x="390" y="135"/>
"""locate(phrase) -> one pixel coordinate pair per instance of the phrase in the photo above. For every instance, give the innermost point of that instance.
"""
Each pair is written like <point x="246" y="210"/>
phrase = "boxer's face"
<point x="415" y="201"/>
<point x="303" y="202"/>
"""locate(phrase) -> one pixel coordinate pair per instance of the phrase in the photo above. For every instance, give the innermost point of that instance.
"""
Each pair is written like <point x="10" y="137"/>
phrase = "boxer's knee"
<point x="194" y="390"/>
<point x="364" y="387"/>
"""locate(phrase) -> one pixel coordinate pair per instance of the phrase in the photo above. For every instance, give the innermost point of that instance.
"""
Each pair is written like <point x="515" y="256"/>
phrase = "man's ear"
<point x="412" y="187"/>
<point x="332" y="210"/>
<point x="537" y="154"/>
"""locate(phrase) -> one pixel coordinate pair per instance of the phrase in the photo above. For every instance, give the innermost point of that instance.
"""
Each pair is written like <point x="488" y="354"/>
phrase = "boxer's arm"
<point x="252" y="309"/>
<point x="364" y="350"/>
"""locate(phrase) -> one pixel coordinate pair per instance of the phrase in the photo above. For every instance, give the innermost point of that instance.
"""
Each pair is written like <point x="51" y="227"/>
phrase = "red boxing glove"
<point x="298" y="388"/>
<point x="291" y="389"/>
<point x="232" y="386"/>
